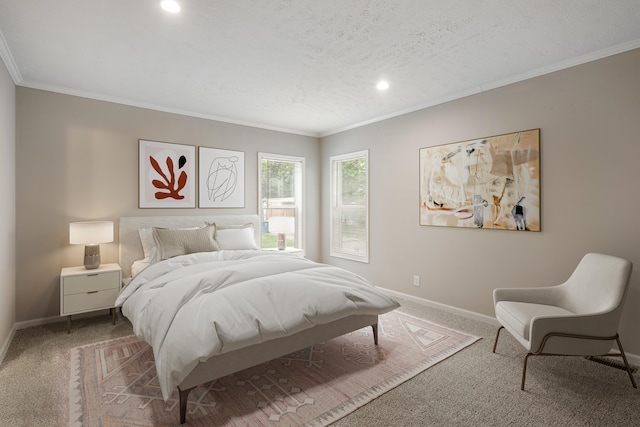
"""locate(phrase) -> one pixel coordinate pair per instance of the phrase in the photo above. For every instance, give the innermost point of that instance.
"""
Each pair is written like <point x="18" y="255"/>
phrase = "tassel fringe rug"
<point x="113" y="383"/>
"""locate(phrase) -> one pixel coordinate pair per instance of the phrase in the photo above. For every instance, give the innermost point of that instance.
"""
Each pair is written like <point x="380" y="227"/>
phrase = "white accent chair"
<point x="579" y="317"/>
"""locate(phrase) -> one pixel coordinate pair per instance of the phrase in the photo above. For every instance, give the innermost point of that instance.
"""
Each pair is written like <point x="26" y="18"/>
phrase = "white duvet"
<point x="192" y="307"/>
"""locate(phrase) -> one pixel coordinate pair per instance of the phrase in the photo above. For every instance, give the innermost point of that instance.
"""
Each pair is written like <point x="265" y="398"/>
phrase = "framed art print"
<point x="489" y="183"/>
<point x="221" y="178"/>
<point x="167" y="175"/>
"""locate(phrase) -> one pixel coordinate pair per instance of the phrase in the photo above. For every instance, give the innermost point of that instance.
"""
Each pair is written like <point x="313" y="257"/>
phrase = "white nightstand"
<point x="288" y="250"/>
<point x="82" y="290"/>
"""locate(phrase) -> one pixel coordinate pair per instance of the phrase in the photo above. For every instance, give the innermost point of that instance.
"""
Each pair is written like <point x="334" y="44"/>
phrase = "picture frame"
<point x="221" y="178"/>
<point x="167" y="175"/>
<point x="487" y="183"/>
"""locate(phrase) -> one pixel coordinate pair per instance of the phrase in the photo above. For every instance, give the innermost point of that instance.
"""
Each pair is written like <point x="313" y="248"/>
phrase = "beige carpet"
<point x="114" y="383"/>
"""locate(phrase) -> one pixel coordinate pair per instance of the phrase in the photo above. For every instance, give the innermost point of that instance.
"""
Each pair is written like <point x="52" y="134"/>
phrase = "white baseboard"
<point x="633" y="359"/>
<point x="38" y="322"/>
<point x="455" y="310"/>
<point x="6" y="343"/>
<point x="56" y="319"/>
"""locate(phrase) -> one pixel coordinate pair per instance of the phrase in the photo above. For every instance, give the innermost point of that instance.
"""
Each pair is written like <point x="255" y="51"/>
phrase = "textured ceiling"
<point x="304" y="66"/>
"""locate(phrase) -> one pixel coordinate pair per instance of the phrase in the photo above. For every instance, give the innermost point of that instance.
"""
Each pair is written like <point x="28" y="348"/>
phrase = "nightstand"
<point x="83" y="291"/>
<point x="288" y="250"/>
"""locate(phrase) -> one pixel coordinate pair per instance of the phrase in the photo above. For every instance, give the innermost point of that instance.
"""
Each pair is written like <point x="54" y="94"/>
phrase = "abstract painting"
<point x="221" y="178"/>
<point x="490" y="183"/>
<point x="167" y="175"/>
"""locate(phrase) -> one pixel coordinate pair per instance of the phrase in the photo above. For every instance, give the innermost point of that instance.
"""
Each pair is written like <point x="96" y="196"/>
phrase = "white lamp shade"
<point x="282" y="224"/>
<point x="90" y="232"/>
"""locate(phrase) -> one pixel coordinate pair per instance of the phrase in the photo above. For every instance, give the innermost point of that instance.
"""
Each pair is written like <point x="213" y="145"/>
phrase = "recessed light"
<point x="383" y="85"/>
<point x="170" y="6"/>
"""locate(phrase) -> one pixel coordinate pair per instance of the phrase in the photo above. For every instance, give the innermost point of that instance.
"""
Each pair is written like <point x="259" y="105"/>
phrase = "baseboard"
<point x="633" y="359"/>
<point x="448" y="308"/>
<point x="56" y="319"/>
<point x="7" y="343"/>
<point x="38" y="322"/>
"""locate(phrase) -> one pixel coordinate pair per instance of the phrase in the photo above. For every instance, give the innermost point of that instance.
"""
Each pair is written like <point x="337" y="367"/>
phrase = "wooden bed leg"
<point x="375" y="333"/>
<point x="184" y="394"/>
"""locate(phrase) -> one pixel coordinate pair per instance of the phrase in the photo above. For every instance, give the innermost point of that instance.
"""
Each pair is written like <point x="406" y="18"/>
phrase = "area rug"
<point x="113" y="383"/>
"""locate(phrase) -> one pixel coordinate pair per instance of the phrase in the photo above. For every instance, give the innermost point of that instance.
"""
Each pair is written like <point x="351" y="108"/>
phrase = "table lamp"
<point x="91" y="234"/>
<point x="282" y="225"/>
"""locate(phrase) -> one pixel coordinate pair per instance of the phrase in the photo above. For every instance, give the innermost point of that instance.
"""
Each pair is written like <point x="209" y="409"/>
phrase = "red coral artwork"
<point x="170" y="186"/>
<point x="167" y="175"/>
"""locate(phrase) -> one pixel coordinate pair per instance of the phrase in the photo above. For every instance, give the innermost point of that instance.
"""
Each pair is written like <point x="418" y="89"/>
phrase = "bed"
<point x="180" y="301"/>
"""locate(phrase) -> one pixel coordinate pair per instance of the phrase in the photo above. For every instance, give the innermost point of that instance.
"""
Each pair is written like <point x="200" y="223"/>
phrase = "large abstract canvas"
<point x="490" y="183"/>
<point x="167" y="175"/>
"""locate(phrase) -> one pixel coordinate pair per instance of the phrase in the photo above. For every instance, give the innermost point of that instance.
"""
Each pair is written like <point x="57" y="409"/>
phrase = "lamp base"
<point x="282" y="241"/>
<point x="91" y="257"/>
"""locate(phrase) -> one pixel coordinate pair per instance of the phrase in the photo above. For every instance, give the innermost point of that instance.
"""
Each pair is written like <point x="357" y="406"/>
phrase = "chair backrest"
<point x="598" y="285"/>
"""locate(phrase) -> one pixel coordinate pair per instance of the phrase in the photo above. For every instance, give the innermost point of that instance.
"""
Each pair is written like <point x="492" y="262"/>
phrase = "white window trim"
<point x="300" y="225"/>
<point x="333" y="199"/>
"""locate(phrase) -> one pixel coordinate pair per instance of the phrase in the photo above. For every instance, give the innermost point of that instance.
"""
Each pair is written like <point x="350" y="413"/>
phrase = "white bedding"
<point x="192" y="307"/>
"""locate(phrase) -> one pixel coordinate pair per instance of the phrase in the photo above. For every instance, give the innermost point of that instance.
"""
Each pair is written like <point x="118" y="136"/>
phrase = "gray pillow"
<point x="181" y="242"/>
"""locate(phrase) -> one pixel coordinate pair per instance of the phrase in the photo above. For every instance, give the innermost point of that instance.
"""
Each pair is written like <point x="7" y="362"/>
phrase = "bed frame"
<point x="235" y="361"/>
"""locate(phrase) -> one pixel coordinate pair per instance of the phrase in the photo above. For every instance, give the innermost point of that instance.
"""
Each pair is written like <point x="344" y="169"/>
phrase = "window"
<point x="280" y="184"/>
<point x="349" y="223"/>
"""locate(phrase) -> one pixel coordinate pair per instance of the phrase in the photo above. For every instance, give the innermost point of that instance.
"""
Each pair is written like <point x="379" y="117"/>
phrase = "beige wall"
<point x="77" y="159"/>
<point x="7" y="207"/>
<point x="589" y="118"/>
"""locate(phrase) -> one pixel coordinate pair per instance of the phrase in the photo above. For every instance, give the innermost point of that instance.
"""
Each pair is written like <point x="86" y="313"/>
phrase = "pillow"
<point x="172" y="243"/>
<point x="138" y="266"/>
<point x="236" y="237"/>
<point x="149" y="243"/>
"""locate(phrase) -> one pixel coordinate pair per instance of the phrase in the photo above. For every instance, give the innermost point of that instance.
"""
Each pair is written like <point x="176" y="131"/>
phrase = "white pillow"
<point x="236" y="237"/>
<point x="148" y="244"/>
<point x="138" y="266"/>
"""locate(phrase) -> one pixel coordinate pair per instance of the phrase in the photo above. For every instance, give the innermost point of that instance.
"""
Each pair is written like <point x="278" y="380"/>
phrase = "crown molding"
<point x="162" y="108"/>
<point x="572" y="62"/>
<point x="8" y="60"/>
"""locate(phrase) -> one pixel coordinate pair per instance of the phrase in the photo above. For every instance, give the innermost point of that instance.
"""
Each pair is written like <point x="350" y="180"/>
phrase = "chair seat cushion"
<point x="516" y="316"/>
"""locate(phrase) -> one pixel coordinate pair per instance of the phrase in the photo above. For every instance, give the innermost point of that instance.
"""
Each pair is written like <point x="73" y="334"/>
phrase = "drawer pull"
<point x="94" y="274"/>
<point x="93" y="292"/>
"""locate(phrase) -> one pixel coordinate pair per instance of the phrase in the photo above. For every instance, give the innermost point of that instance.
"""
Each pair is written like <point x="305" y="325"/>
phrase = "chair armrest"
<point x="594" y="325"/>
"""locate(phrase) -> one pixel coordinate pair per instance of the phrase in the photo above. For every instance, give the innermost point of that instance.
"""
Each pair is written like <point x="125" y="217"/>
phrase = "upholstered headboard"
<point x="131" y="248"/>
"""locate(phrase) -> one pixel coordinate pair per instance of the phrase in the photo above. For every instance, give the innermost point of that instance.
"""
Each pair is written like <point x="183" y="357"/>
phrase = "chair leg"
<point x="626" y="364"/>
<point x="495" y="344"/>
<point x="524" y="371"/>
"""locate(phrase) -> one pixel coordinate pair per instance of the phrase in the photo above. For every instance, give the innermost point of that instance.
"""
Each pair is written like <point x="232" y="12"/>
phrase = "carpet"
<point x="113" y="383"/>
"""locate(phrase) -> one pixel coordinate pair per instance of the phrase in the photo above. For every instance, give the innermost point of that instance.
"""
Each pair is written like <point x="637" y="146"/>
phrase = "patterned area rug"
<point x="113" y="383"/>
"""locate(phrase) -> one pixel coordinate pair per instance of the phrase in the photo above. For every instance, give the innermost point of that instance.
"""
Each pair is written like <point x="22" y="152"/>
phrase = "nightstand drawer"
<point x="91" y="282"/>
<point x="88" y="301"/>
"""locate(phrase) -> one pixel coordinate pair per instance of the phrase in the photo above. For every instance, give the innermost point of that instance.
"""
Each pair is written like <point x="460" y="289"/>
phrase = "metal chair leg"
<point x="524" y="371"/>
<point x="495" y="344"/>
<point x="626" y="364"/>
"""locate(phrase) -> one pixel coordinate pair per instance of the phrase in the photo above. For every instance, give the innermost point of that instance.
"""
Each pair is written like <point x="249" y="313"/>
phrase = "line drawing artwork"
<point x="221" y="178"/>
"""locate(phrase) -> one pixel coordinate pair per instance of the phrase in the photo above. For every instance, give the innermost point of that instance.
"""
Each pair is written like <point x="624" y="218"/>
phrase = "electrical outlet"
<point x="416" y="280"/>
